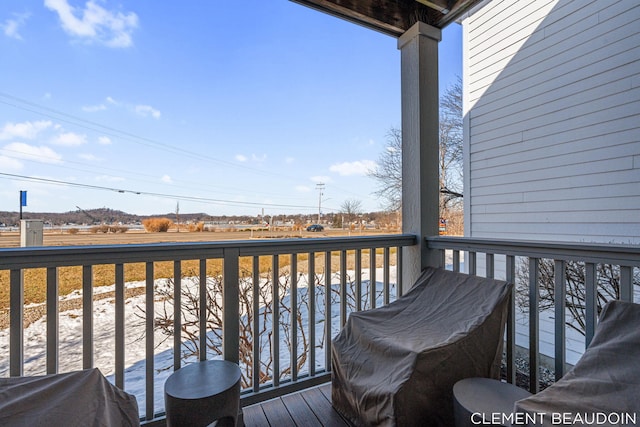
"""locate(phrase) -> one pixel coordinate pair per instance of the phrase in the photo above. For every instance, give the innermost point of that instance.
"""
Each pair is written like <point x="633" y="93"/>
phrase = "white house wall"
<point x="552" y="120"/>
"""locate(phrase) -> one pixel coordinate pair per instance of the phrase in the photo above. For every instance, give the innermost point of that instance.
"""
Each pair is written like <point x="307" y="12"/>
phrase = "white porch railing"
<point x="500" y="256"/>
<point x="322" y="262"/>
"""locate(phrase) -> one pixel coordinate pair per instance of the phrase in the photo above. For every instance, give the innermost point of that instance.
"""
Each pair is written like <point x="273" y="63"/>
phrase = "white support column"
<point x="420" y="187"/>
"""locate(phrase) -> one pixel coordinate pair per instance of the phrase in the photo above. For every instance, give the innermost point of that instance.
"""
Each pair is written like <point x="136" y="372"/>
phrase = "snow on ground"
<point x="70" y="337"/>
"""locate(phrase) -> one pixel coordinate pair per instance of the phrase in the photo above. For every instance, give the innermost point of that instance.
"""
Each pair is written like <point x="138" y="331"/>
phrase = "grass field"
<point x="60" y="238"/>
<point x="70" y="278"/>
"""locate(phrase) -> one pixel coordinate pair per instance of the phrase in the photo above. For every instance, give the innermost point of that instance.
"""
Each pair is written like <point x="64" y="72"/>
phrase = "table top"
<point x="202" y="379"/>
<point x="487" y="395"/>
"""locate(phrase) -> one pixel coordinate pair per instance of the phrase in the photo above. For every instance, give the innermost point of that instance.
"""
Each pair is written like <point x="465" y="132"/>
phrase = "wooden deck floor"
<point x="308" y="408"/>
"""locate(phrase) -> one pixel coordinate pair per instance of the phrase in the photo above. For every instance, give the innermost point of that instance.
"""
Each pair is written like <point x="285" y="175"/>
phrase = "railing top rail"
<point x="620" y="254"/>
<point x="58" y="256"/>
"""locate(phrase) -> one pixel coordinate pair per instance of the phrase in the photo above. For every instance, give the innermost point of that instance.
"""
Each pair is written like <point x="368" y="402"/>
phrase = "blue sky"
<point x="233" y="107"/>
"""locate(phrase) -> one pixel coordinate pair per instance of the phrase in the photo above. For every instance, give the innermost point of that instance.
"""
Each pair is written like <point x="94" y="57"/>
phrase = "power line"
<point x="125" y="135"/>
<point x="148" y="193"/>
<point x="117" y="133"/>
<point x="63" y="164"/>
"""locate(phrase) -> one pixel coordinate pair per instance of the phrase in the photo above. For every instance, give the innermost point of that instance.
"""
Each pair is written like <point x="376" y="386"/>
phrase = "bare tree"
<point x="263" y="338"/>
<point x="351" y="208"/>
<point x="388" y="172"/>
<point x="451" y="141"/>
<point x="607" y="288"/>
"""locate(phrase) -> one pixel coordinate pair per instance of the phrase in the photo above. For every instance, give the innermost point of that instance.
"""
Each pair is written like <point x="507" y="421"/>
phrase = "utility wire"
<point x="148" y="193"/>
<point x="117" y="133"/>
<point x="63" y="164"/>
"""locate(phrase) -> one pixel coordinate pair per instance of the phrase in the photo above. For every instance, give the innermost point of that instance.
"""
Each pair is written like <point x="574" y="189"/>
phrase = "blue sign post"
<point x="23" y="201"/>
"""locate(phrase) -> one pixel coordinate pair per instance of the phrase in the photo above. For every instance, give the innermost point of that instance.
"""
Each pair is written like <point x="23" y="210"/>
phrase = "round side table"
<point x="200" y="393"/>
<point x="484" y="401"/>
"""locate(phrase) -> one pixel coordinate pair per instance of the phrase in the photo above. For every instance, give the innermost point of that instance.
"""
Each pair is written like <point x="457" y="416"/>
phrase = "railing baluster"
<point x="256" y="324"/>
<point x="202" y="285"/>
<point x="591" y="303"/>
<point x="456" y="261"/>
<point x="87" y="258"/>
<point x="472" y="263"/>
<point x="343" y="287"/>
<point x="87" y="316"/>
<point x="16" y="333"/>
<point x="231" y="306"/>
<point x="358" y="273"/>
<point x="150" y="346"/>
<point x="177" y="315"/>
<point x="327" y="310"/>
<point x="399" y="271"/>
<point x="490" y="265"/>
<point x="372" y="277"/>
<point x="560" y="334"/>
<point x="385" y="276"/>
<point x="294" y="317"/>
<point x="311" y="287"/>
<point x="534" y="297"/>
<point x="626" y="283"/>
<point x="511" y="322"/>
<point x="119" y="325"/>
<point x="52" y="320"/>
<point x="275" y="322"/>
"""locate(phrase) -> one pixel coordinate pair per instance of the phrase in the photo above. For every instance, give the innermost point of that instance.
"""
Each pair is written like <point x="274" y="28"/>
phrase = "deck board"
<point x="277" y="413"/>
<point x="254" y="416"/>
<point x="299" y="410"/>
<point x="311" y="407"/>
<point x="321" y="406"/>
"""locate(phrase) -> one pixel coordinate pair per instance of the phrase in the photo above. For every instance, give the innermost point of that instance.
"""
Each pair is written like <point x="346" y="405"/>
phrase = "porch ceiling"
<point x="393" y="17"/>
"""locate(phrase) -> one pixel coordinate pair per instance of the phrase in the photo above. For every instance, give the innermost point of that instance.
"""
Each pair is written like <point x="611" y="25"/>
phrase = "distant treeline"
<point x="93" y="216"/>
<point x="112" y="216"/>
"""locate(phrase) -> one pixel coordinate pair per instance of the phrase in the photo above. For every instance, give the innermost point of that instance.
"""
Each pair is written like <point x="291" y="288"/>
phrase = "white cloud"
<point x="359" y="167"/>
<point x="147" y="110"/>
<point x="69" y="139"/>
<point x="289" y="160"/>
<point x="302" y="188"/>
<point x="166" y="179"/>
<point x="320" y="179"/>
<point x="142" y="110"/>
<point x="89" y="157"/>
<point x="30" y="152"/>
<point x="254" y="158"/>
<point x="104" y="140"/>
<point x="94" y="108"/>
<point x="109" y="178"/>
<point x="11" y="26"/>
<point x="94" y="23"/>
<point x="25" y="130"/>
<point x="7" y="163"/>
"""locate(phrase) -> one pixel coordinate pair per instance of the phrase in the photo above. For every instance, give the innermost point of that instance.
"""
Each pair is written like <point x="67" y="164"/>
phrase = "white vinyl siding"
<point x="552" y="120"/>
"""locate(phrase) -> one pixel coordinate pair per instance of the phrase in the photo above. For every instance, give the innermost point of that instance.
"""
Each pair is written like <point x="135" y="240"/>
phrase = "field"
<point x="61" y="238"/>
<point x="70" y="278"/>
